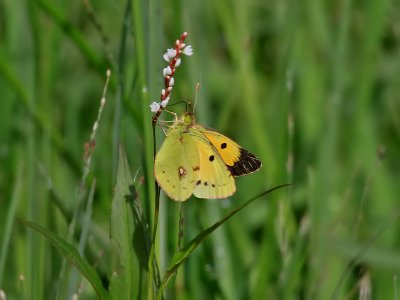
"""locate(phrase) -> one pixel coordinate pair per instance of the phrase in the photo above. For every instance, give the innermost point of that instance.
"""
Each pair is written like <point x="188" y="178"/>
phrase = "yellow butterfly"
<point x="196" y="160"/>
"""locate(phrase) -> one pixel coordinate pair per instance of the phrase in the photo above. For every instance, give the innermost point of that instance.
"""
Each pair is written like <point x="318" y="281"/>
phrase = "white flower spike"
<point x="167" y="71"/>
<point x="166" y="57"/>
<point x="164" y="103"/>
<point x="171" y="53"/>
<point x="173" y="57"/>
<point x="154" y="107"/>
<point x="188" y="50"/>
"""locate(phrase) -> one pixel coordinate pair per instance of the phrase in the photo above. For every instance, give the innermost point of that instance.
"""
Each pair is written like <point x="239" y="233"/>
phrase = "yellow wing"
<point x="214" y="180"/>
<point x="238" y="160"/>
<point x="176" y="165"/>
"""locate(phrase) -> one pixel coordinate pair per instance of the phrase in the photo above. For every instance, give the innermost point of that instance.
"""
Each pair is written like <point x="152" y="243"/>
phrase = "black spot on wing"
<point x="247" y="163"/>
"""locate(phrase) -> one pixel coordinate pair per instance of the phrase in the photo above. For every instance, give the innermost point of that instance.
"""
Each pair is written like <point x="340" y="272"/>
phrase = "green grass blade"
<point x="73" y="256"/>
<point x="39" y="119"/>
<point x="79" y="40"/>
<point x="74" y="278"/>
<point x="183" y="254"/>
<point x="10" y="221"/>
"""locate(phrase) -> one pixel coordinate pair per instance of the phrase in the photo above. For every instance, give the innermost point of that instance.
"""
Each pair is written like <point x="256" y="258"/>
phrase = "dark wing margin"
<point x="247" y="163"/>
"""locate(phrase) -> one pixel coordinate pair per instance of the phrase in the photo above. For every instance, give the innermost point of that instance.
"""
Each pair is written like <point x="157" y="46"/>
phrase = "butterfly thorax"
<point x="183" y="122"/>
<point x="189" y="119"/>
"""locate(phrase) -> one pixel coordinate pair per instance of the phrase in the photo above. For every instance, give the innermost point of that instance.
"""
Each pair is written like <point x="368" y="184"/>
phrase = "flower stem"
<point x="150" y="295"/>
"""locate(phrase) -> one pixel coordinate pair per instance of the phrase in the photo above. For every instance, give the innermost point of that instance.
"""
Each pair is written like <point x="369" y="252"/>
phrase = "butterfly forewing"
<point x="214" y="179"/>
<point x="238" y="160"/>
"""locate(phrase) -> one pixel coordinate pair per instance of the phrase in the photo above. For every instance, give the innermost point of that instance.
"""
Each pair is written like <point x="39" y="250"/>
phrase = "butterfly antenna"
<point x="197" y="93"/>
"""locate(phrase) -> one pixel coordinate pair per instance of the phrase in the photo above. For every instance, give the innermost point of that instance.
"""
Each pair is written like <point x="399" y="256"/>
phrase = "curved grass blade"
<point x="182" y="255"/>
<point x="72" y="255"/>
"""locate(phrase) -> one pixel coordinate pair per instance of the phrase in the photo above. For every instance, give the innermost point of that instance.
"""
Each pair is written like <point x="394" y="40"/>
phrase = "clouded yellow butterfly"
<point x="196" y="160"/>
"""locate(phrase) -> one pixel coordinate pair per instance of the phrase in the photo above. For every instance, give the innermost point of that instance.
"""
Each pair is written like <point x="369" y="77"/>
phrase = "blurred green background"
<point x="311" y="87"/>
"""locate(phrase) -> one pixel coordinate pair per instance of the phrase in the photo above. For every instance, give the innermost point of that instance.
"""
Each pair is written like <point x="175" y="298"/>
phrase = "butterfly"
<point x="197" y="160"/>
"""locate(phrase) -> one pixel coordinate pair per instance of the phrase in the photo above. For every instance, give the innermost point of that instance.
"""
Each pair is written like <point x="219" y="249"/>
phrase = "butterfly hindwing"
<point x="176" y="165"/>
<point x="238" y="160"/>
<point x="214" y="180"/>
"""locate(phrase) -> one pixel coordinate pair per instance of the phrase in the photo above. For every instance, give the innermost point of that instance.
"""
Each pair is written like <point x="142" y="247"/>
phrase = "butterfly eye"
<point x="223" y="145"/>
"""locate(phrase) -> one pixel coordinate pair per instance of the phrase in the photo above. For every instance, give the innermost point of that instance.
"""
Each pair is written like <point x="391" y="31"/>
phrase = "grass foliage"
<point x="311" y="87"/>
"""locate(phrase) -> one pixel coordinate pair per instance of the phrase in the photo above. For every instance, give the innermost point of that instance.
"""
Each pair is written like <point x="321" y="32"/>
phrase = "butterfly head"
<point x="188" y="118"/>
